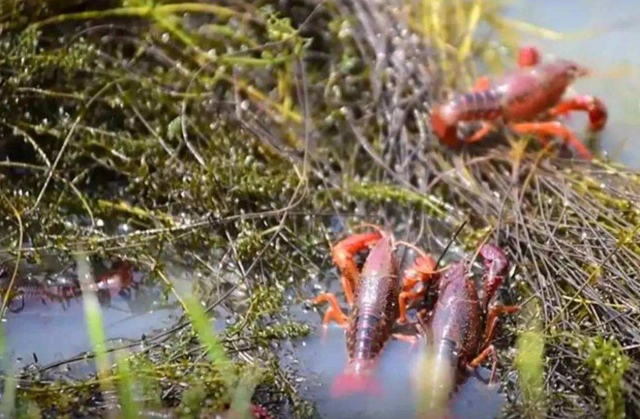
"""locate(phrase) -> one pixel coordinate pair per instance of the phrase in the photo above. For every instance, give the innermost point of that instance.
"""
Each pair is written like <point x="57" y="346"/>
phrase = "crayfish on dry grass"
<point x="527" y="100"/>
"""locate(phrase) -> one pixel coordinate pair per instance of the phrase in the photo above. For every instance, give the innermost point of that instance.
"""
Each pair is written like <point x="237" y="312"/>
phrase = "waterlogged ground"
<point x="50" y="332"/>
<point x="321" y="357"/>
<point x="603" y="36"/>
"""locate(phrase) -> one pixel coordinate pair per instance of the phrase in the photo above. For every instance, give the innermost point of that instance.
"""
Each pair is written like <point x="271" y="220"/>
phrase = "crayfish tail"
<point x="446" y="132"/>
<point x="351" y="383"/>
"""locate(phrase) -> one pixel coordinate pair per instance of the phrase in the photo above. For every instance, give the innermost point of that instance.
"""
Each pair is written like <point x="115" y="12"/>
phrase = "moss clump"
<point x="608" y="364"/>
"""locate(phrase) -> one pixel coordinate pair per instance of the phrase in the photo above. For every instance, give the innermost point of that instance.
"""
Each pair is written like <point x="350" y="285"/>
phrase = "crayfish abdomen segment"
<point x="367" y="337"/>
<point x="486" y="105"/>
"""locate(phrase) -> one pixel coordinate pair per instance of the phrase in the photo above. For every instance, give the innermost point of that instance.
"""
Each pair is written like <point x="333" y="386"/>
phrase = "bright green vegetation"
<point x="230" y="136"/>
<point x="608" y="363"/>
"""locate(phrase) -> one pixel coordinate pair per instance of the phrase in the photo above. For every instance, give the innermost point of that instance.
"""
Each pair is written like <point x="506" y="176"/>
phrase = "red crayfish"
<point x="461" y="326"/>
<point x="19" y="290"/>
<point x="526" y="100"/>
<point x="119" y="280"/>
<point x="376" y="297"/>
<point x="25" y="290"/>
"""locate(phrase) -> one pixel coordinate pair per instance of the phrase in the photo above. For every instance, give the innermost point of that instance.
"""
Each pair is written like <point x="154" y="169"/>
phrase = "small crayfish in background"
<point x="526" y="100"/>
<point x="63" y="288"/>
<point x="376" y="297"/>
<point x="20" y="290"/>
<point x="26" y="290"/>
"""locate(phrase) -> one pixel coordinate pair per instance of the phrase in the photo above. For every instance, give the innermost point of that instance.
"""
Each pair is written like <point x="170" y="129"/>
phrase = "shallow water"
<point x="52" y="332"/>
<point x="321" y="357"/>
<point x="611" y="32"/>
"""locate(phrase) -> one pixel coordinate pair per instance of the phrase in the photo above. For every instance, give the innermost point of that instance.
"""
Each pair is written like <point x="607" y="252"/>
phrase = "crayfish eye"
<point x="574" y="71"/>
<point x="571" y="71"/>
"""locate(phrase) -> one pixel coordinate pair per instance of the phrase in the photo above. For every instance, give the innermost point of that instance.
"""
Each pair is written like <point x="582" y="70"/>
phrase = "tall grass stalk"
<point x="530" y="364"/>
<point x="93" y="317"/>
<point x="203" y="328"/>
<point x="126" y="387"/>
<point x="7" y="407"/>
<point x="241" y="399"/>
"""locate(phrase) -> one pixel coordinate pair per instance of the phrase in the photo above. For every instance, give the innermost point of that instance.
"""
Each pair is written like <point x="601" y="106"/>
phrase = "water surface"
<point x="49" y="332"/>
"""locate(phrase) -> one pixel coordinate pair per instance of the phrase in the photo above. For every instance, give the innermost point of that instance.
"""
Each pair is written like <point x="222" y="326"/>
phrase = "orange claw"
<point x="443" y="125"/>
<point x="422" y="270"/>
<point x="592" y="105"/>
<point x="342" y="254"/>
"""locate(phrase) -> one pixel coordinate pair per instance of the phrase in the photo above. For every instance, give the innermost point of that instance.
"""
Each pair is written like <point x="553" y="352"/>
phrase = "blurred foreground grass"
<point x="232" y="137"/>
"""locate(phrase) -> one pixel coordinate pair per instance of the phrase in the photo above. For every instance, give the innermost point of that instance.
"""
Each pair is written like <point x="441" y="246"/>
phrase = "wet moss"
<point x="380" y="193"/>
<point x="608" y="364"/>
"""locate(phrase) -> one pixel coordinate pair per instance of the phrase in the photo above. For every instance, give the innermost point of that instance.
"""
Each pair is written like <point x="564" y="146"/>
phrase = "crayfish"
<point x="376" y="297"/>
<point x="526" y="100"/>
<point x="31" y="289"/>
<point x="461" y="326"/>
<point x="119" y="280"/>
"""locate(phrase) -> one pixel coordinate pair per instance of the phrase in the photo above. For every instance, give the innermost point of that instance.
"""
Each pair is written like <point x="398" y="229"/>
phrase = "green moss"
<point x="258" y="322"/>
<point x="608" y="364"/>
<point x="384" y="193"/>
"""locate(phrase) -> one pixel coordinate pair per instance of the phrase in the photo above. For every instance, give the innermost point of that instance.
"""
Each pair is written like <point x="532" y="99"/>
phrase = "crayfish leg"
<point x="553" y="128"/>
<point x="485" y="129"/>
<point x="334" y="312"/>
<point x="342" y="254"/>
<point x="422" y="270"/>
<point x="596" y="110"/>
<point x="404" y="300"/>
<point x="478" y="360"/>
<point x="492" y="320"/>
<point x="411" y="340"/>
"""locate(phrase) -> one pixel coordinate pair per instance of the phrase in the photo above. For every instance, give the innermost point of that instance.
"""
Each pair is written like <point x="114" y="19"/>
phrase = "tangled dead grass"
<point x="229" y="127"/>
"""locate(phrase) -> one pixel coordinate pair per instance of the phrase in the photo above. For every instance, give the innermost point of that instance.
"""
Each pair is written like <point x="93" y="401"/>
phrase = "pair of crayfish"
<point x="118" y="280"/>
<point x="527" y="100"/>
<point x="461" y="325"/>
